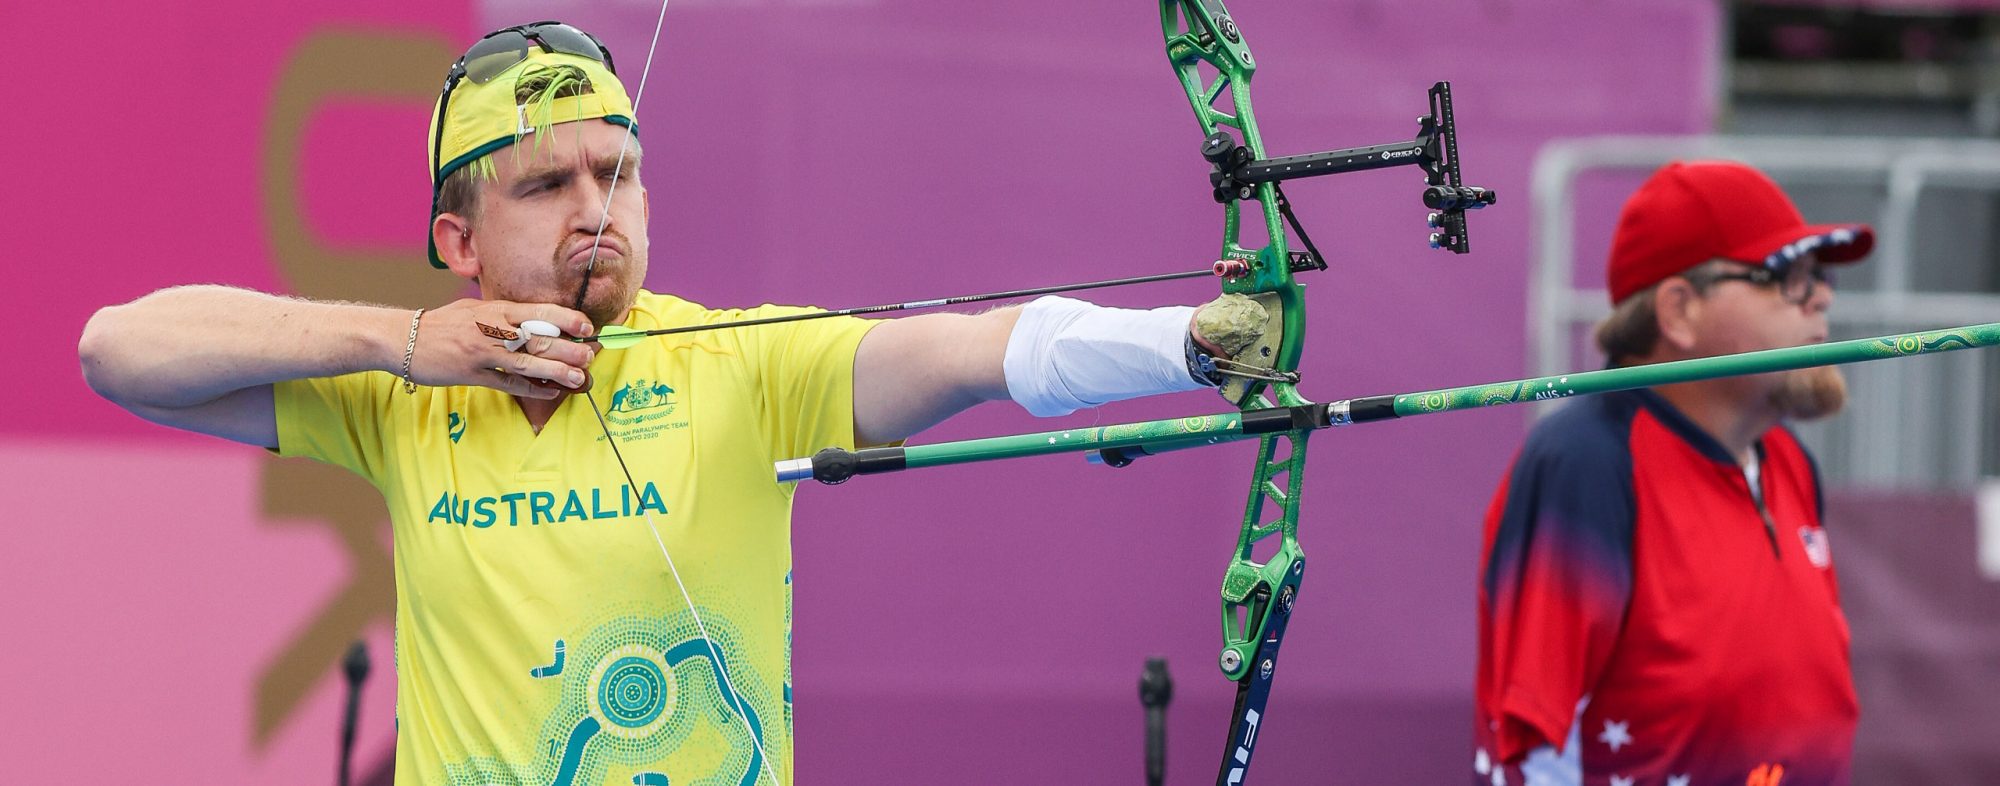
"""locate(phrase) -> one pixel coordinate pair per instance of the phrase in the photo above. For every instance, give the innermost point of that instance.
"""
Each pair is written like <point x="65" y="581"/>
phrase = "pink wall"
<point x="168" y="618"/>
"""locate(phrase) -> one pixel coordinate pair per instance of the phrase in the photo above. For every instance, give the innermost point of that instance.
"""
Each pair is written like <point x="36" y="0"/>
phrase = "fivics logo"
<point x="1250" y="718"/>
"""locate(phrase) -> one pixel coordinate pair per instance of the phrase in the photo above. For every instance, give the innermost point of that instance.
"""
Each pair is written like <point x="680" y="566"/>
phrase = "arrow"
<point x="620" y="337"/>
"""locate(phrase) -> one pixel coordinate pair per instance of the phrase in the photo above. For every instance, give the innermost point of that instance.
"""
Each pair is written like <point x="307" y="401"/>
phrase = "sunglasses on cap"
<point x="505" y="48"/>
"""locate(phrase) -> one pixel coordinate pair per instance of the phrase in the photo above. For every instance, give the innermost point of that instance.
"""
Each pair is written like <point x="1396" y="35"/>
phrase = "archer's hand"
<point x="1225" y="326"/>
<point x="452" y="349"/>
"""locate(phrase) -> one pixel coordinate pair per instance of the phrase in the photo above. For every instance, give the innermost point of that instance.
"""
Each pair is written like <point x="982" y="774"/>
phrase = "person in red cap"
<point x="1657" y="602"/>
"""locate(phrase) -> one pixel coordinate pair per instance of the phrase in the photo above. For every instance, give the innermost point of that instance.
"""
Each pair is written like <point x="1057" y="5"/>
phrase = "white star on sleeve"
<point x="1621" y="780"/>
<point x="1482" y="763"/>
<point x="1499" y="776"/>
<point x="1679" y="780"/>
<point x="1617" y="735"/>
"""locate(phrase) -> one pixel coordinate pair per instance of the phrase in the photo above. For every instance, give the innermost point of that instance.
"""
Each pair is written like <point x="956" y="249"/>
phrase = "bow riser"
<point x="1256" y="596"/>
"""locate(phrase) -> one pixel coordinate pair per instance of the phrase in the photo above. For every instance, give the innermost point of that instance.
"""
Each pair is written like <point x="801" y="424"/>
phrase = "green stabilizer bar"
<point x="1119" y="444"/>
<point x="834" y="465"/>
<point x="1608" y="380"/>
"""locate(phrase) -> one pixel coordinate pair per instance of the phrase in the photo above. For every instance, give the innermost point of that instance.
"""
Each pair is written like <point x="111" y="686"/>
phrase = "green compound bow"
<point x="1257" y="597"/>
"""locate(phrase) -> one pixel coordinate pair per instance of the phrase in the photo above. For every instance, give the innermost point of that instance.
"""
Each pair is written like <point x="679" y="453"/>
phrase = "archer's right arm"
<point x="203" y="358"/>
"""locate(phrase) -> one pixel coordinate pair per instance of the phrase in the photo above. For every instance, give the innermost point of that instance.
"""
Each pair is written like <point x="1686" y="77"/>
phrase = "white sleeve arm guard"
<point x="1065" y="355"/>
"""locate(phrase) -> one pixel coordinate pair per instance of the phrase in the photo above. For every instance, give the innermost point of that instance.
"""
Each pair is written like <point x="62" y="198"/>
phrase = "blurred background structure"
<point x="178" y="606"/>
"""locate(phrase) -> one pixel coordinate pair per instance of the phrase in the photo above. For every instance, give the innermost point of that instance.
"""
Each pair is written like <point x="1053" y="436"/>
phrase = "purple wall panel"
<point x="1926" y="628"/>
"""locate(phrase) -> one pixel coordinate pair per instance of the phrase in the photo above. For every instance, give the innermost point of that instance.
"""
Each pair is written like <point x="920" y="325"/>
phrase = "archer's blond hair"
<point x="537" y="88"/>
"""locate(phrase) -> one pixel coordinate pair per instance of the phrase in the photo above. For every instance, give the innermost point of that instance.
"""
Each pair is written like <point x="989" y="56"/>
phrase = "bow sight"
<point x="1237" y="172"/>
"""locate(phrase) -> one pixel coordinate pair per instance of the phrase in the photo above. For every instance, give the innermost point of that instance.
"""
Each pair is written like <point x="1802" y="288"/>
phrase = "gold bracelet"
<point x="410" y="352"/>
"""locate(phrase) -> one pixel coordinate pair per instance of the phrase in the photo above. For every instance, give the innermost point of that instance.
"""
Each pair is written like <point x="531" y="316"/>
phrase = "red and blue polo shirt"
<point x="1645" y="618"/>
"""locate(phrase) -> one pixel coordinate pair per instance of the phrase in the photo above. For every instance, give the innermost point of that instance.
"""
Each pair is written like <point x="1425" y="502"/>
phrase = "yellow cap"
<point x="482" y="118"/>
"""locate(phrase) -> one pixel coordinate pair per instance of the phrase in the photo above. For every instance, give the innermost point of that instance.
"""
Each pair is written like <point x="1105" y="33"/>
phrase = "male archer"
<point x="558" y="618"/>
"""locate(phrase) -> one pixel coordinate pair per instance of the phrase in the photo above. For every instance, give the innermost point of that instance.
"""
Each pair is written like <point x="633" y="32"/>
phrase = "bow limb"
<point x="733" y="700"/>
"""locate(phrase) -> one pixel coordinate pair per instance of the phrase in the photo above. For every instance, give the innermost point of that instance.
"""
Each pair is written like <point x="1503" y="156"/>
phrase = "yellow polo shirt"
<point x="540" y="638"/>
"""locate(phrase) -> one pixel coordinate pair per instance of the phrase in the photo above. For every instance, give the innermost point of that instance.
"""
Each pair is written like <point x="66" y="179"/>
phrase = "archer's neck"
<point x="538" y="411"/>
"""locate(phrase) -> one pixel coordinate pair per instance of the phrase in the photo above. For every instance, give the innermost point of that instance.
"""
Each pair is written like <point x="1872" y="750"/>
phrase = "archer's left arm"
<point x="1053" y="356"/>
<point x="912" y="373"/>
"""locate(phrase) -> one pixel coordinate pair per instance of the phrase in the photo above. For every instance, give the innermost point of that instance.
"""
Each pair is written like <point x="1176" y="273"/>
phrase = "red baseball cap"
<point x="1691" y="212"/>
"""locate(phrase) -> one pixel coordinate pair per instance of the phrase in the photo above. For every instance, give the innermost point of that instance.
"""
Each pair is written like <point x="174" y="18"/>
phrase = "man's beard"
<point x="1809" y="393"/>
<point x="609" y="294"/>
<point x="607" y="298"/>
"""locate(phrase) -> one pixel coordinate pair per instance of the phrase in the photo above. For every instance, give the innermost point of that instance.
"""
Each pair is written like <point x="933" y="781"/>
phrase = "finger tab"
<point x="530" y="328"/>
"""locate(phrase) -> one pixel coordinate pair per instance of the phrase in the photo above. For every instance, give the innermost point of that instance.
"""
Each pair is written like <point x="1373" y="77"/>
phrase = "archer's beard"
<point x="614" y="283"/>
<point x="1809" y="393"/>
<point x="609" y="296"/>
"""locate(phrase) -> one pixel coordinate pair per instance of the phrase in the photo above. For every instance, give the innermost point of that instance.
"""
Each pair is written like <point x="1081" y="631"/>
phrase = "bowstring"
<point x="583" y="289"/>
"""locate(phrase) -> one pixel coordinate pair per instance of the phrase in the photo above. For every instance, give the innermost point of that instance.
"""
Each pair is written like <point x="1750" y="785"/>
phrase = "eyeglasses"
<point x="503" y="49"/>
<point x="1796" y="281"/>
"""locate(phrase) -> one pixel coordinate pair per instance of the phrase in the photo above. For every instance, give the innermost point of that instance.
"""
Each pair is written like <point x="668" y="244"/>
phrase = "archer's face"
<point x="538" y="220"/>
